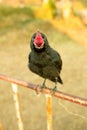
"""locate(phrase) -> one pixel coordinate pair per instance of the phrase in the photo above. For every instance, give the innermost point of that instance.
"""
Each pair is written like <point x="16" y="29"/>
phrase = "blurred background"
<point x="64" y="22"/>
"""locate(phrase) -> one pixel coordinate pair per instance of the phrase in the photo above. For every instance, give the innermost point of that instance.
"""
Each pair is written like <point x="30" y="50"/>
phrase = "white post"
<point x="16" y="101"/>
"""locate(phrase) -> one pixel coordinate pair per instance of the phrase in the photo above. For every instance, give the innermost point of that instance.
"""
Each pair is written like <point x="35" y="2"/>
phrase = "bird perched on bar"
<point x="44" y="60"/>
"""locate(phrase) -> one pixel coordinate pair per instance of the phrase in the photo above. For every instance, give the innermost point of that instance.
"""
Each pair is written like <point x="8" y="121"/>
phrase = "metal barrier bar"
<point x="57" y="94"/>
<point x="49" y="111"/>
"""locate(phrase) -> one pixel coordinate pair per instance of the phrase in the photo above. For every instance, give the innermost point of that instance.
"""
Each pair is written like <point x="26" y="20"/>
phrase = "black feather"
<point x="45" y="62"/>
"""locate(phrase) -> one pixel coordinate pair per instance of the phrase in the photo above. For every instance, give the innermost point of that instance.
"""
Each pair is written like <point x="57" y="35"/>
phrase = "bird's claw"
<point x="54" y="90"/>
<point x="42" y="87"/>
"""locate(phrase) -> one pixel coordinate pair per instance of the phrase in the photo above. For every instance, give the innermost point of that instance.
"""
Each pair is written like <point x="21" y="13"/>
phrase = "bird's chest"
<point x="41" y="60"/>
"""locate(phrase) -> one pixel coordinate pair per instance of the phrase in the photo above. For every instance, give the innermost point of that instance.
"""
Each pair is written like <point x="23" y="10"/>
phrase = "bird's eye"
<point x="34" y="37"/>
<point x="43" y="37"/>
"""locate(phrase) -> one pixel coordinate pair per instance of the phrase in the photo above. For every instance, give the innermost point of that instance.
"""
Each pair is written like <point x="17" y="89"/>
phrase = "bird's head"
<point x="38" y="41"/>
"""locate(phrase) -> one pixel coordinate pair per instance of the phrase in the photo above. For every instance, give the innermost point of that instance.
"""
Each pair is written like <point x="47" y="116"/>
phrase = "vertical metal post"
<point x="49" y="111"/>
<point x="16" y="101"/>
<point x="0" y="126"/>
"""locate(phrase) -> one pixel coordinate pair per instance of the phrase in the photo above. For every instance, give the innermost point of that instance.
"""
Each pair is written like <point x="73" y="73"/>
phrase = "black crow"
<point x="43" y="60"/>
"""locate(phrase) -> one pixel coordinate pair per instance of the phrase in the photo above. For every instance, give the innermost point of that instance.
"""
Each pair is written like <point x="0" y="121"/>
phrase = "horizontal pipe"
<point x="57" y="94"/>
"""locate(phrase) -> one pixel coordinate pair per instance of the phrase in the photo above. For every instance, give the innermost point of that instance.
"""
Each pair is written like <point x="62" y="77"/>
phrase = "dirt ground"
<point x="66" y="115"/>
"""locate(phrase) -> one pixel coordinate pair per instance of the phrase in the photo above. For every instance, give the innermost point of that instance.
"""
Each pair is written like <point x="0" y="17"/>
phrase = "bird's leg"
<point x="55" y="88"/>
<point x="43" y="85"/>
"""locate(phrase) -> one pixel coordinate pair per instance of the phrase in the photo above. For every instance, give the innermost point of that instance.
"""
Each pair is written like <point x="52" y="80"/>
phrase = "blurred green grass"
<point x="16" y="28"/>
<point x="84" y="2"/>
<point x="11" y="18"/>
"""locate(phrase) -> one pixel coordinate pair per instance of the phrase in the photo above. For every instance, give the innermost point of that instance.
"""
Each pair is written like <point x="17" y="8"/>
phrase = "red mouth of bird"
<point x="39" y="44"/>
<point x="38" y="41"/>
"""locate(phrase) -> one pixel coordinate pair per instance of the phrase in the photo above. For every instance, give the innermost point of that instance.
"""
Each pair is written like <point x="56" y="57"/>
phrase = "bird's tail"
<point x="60" y="80"/>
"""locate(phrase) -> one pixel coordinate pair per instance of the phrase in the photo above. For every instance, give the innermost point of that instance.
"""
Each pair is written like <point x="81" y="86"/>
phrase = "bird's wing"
<point x="57" y="61"/>
<point x="29" y="58"/>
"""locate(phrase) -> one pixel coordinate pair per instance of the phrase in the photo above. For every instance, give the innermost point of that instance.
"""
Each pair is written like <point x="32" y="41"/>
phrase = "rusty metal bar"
<point x="0" y="126"/>
<point x="49" y="111"/>
<point x="57" y="94"/>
